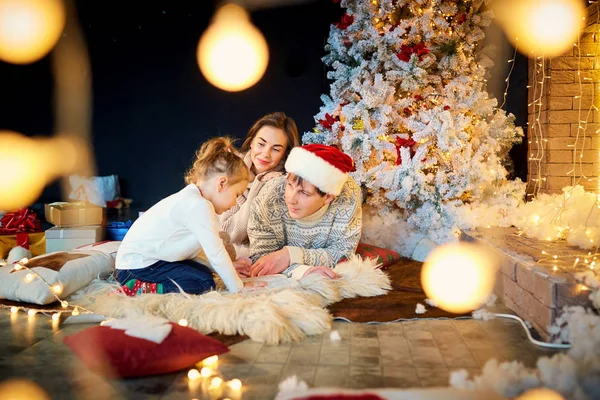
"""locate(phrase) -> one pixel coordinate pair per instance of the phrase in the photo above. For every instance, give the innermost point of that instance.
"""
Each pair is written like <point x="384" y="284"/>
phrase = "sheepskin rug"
<point x="284" y="313"/>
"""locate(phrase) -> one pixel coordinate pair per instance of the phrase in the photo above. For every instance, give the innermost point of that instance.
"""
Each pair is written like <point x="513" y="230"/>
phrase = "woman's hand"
<point x="321" y="270"/>
<point x="270" y="175"/>
<point x="242" y="266"/>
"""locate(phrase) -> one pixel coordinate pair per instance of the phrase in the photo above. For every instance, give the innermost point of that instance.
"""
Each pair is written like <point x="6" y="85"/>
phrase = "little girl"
<point x="157" y="253"/>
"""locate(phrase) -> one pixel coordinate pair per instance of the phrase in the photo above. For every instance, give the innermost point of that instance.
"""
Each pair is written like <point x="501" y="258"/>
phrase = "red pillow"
<point x="111" y="353"/>
<point x="385" y="257"/>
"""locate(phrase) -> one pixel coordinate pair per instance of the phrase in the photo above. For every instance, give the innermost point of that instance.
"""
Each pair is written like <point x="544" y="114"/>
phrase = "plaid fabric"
<point x="385" y="257"/>
<point x="135" y="287"/>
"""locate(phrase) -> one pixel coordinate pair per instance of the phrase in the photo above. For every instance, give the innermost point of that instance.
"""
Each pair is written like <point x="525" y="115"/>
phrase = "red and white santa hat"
<point x="326" y="167"/>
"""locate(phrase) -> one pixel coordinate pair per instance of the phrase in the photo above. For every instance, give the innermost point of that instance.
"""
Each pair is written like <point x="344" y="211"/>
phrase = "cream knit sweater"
<point x="235" y="220"/>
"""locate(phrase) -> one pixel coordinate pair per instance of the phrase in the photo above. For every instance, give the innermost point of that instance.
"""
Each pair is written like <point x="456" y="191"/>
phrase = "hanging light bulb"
<point x="459" y="277"/>
<point x="548" y="27"/>
<point x="232" y="53"/>
<point x="29" y="29"/>
<point x="540" y="394"/>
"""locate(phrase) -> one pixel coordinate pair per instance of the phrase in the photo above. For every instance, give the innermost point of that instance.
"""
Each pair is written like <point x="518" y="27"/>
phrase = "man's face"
<point x="303" y="200"/>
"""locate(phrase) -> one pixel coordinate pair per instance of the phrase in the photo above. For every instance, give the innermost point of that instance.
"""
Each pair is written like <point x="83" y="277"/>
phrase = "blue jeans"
<point x="191" y="276"/>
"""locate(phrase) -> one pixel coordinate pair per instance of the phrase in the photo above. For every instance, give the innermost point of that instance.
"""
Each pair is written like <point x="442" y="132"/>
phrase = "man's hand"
<point x="271" y="264"/>
<point x="242" y="266"/>
<point x="321" y="270"/>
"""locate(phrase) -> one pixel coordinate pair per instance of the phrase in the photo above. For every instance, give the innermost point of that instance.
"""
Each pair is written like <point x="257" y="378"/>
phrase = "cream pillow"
<point x="71" y="270"/>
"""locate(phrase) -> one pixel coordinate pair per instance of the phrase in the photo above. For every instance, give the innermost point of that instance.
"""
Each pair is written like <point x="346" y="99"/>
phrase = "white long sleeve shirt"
<point x="178" y="228"/>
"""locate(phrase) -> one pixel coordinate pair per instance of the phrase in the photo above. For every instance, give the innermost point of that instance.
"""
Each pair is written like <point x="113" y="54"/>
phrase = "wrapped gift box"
<point x="65" y="239"/>
<point x="37" y="243"/>
<point x="67" y="215"/>
<point x="21" y="228"/>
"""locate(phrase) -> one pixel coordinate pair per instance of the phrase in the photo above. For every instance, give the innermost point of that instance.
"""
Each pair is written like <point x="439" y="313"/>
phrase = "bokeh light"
<point x="29" y="29"/>
<point x="458" y="277"/>
<point x="540" y="394"/>
<point x="29" y="164"/>
<point x="21" y="389"/>
<point x="232" y="53"/>
<point x="546" y="27"/>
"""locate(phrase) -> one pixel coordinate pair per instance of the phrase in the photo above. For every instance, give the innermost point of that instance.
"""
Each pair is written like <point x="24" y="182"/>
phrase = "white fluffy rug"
<point x="286" y="313"/>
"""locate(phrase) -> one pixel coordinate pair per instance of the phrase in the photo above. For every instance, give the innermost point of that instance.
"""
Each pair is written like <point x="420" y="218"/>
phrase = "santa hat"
<point x="324" y="166"/>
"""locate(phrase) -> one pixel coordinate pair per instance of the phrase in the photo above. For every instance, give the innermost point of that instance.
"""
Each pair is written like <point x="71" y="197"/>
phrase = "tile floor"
<point x="403" y="354"/>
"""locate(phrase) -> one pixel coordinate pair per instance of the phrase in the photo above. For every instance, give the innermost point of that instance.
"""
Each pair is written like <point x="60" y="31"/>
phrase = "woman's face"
<point x="267" y="148"/>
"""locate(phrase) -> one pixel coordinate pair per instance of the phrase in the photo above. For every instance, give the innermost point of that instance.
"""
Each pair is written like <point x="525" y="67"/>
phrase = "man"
<point x="307" y="221"/>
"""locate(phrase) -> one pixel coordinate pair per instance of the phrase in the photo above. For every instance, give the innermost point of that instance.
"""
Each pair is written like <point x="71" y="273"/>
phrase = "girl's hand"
<point x="242" y="266"/>
<point x="321" y="270"/>
<point x="270" y="175"/>
<point x="254" y="286"/>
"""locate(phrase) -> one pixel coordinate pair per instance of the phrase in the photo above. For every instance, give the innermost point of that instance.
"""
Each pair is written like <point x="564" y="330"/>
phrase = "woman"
<point x="264" y="151"/>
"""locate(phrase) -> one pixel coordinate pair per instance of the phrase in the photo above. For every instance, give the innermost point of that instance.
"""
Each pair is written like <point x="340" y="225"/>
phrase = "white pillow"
<point x="72" y="270"/>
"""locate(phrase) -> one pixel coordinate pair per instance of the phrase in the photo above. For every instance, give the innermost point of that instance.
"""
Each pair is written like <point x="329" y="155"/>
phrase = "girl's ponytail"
<point x="217" y="156"/>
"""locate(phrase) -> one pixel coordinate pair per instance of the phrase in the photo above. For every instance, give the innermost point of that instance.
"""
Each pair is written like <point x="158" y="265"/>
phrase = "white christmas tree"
<point x="408" y="102"/>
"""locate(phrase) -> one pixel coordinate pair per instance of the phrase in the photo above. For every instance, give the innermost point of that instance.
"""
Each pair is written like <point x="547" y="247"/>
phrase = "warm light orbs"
<point x="232" y="53"/>
<point x="29" y="29"/>
<point x="458" y="277"/>
<point x="21" y="389"/>
<point x="546" y="27"/>
<point x="193" y="374"/>
<point x="540" y="394"/>
<point x="22" y="179"/>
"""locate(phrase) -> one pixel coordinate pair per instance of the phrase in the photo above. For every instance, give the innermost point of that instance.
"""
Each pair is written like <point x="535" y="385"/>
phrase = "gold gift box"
<point x="66" y="215"/>
<point x="37" y="243"/>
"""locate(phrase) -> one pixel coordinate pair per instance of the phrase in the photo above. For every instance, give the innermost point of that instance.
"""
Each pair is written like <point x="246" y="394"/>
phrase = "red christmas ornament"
<point x="407" y="111"/>
<point x="328" y="122"/>
<point x="418" y="97"/>
<point x="346" y="21"/>
<point x="407" y="51"/>
<point x="400" y="143"/>
<point x="462" y="18"/>
<point x="446" y="108"/>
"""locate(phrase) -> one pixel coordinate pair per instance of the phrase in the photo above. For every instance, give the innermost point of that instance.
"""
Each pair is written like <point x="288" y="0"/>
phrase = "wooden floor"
<point x="403" y="354"/>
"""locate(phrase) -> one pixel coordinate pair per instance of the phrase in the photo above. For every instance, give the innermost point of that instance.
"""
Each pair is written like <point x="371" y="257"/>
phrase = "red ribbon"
<point x="407" y="51"/>
<point x="21" y="221"/>
<point x="400" y="143"/>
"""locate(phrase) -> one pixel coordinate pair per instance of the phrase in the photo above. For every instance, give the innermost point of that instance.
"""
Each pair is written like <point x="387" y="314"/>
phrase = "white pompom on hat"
<point x="326" y="167"/>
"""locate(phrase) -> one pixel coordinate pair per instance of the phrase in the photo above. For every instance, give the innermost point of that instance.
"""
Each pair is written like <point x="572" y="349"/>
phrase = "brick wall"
<point x="554" y="115"/>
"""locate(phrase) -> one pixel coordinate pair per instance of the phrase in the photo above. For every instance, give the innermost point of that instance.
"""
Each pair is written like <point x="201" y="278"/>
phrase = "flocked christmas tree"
<point x="408" y="102"/>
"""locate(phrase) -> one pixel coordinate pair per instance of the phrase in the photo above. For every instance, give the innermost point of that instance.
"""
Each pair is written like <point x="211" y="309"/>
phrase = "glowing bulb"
<point x="31" y="313"/>
<point x="29" y="277"/>
<point x="57" y="288"/>
<point x="193" y="374"/>
<point x="14" y="310"/>
<point x="205" y="372"/>
<point x="216" y="382"/>
<point x="458" y="277"/>
<point x="210" y="361"/>
<point x="232" y="53"/>
<point x="24" y="158"/>
<point x="29" y="29"/>
<point x="21" y="389"/>
<point x="17" y="267"/>
<point x="75" y="311"/>
<point x="183" y="322"/>
<point x="547" y="27"/>
<point x="64" y="304"/>
<point x="235" y="384"/>
<point x="540" y="394"/>
<point x="56" y="316"/>
<point x="555" y="268"/>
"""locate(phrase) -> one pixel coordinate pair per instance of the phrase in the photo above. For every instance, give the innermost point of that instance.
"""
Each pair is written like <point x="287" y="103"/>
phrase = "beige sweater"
<point x="235" y="220"/>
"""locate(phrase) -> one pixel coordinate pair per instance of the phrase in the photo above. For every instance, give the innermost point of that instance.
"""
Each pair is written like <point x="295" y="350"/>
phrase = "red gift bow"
<point x="400" y="143"/>
<point x="21" y="221"/>
<point x="407" y="51"/>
